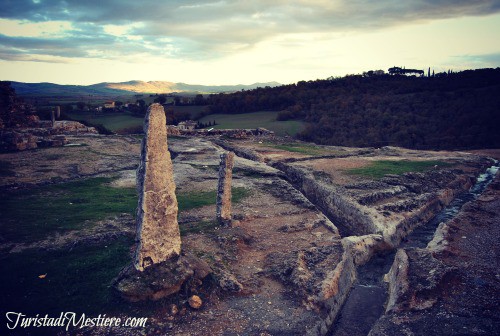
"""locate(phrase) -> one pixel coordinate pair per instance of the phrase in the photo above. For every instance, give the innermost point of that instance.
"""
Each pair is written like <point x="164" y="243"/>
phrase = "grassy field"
<point x="76" y="279"/>
<point x="34" y="214"/>
<point x="194" y="111"/>
<point x="115" y="122"/>
<point x="254" y="120"/>
<point x="53" y="281"/>
<point x="378" y="169"/>
<point x="118" y="122"/>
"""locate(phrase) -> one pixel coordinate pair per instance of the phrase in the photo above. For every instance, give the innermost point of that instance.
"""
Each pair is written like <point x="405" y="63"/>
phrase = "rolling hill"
<point x="123" y="88"/>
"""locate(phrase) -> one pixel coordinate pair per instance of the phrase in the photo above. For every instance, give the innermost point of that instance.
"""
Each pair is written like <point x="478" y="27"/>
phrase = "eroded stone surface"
<point x="451" y="287"/>
<point x="157" y="228"/>
<point x="223" y="211"/>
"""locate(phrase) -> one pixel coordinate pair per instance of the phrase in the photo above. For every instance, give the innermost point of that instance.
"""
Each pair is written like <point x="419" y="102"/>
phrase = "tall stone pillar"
<point x="223" y="211"/>
<point x="158" y="233"/>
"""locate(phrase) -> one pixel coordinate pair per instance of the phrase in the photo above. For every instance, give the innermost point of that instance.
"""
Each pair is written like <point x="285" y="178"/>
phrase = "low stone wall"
<point x="342" y="211"/>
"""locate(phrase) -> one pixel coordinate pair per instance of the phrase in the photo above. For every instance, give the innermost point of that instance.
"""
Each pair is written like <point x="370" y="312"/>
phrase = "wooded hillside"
<point x="447" y="111"/>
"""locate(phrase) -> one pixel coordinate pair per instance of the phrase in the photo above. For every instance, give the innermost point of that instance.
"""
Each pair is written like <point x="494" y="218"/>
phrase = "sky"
<point x="240" y="41"/>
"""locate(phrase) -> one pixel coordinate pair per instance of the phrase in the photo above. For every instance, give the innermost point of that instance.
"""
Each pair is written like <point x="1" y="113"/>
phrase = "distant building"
<point x="109" y="105"/>
<point x="188" y="125"/>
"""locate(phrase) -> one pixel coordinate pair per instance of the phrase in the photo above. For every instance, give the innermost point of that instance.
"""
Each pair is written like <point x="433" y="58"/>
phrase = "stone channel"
<point x="365" y="303"/>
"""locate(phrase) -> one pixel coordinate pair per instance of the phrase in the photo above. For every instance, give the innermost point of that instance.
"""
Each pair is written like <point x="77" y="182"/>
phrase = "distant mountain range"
<point x="125" y="88"/>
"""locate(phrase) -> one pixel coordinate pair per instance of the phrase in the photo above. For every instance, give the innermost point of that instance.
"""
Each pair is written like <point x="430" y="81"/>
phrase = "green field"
<point x="116" y="122"/>
<point x="75" y="279"/>
<point x="125" y="122"/>
<point x="254" y="120"/>
<point x="378" y="169"/>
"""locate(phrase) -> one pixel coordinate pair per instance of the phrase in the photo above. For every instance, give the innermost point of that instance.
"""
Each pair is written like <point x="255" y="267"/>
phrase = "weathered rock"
<point x="155" y="282"/>
<point x="159" y="280"/>
<point x="224" y="188"/>
<point x="195" y="302"/>
<point x="158" y="233"/>
<point x="397" y="279"/>
<point x="228" y="282"/>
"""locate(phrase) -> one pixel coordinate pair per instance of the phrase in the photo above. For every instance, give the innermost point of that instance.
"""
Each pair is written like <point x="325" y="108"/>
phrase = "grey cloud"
<point x="14" y="55"/>
<point x="484" y="60"/>
<point x="204" y="29"/>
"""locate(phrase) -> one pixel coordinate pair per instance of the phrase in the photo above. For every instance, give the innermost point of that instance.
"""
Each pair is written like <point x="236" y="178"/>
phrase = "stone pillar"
<point x="53" y="117"/>
<point x="223" y="211"/>
<point x="58" y="112"/>
<point x="158" y="233"/>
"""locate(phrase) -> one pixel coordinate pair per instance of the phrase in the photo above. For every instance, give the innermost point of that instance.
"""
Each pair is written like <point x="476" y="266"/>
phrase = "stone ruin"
<point x="157" y="228"/>
<point x="223" y="210"/>
<point x="21" y="129"/>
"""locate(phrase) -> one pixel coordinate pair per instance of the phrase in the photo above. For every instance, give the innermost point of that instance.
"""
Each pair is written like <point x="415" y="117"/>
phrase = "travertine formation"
<point x="224" y="188"/>
<point x="157" y="228"/>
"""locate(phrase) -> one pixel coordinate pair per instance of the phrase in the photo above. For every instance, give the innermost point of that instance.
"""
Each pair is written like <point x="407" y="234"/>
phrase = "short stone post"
<point x="158" y="233"/>
<point x="58" y="112"/>
<point x="223" y="211"/>
<point x="53" y="117"/>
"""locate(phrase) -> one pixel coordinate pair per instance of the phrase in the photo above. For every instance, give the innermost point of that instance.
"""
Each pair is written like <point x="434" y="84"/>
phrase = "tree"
<point x="198" y="100"/>
<point x="161" y="99"/>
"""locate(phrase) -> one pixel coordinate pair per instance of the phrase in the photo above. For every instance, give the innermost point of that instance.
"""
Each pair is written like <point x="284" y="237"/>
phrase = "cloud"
<point x="200" y="29"/>
<point x="477" y="61"/>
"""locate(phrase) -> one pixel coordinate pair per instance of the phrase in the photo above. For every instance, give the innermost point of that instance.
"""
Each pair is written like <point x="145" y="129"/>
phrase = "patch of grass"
<point x="197" y="199"/>
<point x="33" y="214"/>
<point x="6" y="169"/>
<point x="265" y="119"/>
<point x="75" y="281"/>
<point x="303" y="148"/>
<point x="378" y="169"/>
<point x="198" y="227"/>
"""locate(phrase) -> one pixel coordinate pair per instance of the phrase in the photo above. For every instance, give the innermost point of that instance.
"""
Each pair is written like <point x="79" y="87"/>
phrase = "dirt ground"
<point x="270" y="264"/>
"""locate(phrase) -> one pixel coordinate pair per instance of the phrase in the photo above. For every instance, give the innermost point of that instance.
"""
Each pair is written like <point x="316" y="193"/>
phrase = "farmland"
<point x="265" y="119"/>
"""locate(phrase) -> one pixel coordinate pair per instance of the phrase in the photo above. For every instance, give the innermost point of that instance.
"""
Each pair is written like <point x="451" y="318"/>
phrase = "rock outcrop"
<point x="158" y="233"/>
<point x="450" y="287"/>
<point x="224" y="188"/>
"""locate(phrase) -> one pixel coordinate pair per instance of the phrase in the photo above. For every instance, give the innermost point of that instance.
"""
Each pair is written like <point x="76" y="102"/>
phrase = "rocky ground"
<point x="299" y="232"/>
<point x="451" y="287"/>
